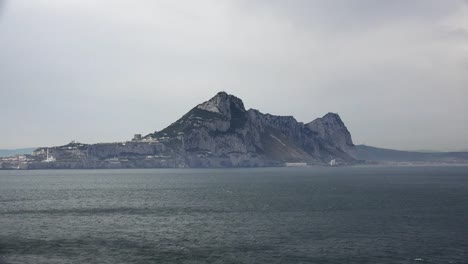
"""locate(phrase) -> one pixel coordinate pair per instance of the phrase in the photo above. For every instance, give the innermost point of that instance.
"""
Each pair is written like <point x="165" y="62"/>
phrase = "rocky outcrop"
<point x="222" y="129"/>
<point x="217" y="133"/>
<point x="332" y="133"/>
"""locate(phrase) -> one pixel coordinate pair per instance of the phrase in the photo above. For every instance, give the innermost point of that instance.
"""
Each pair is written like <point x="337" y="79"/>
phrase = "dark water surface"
<point x="274" y="215"/>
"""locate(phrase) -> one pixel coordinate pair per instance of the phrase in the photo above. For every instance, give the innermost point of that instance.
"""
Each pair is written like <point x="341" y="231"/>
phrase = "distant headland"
<point x="222" y="133"/>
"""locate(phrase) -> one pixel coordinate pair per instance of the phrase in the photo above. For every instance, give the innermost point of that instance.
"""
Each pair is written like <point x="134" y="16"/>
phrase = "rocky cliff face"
<point x="217" y="133"/>
<point x="221" y="132"/>
<point x="332" y="132"/>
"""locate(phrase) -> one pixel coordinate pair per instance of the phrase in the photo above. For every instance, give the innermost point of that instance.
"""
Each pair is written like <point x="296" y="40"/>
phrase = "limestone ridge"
<point x="331" y="129"/>
<point x="221" y="133"/>
<point x="217" y="133"/>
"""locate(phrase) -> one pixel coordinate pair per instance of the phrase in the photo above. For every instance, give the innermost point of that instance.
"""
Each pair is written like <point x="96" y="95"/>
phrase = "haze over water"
<point x="264" y="215"/>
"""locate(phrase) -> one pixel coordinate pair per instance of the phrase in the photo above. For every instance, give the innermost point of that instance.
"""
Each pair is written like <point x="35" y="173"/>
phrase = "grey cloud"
<point x="345" y="15"/>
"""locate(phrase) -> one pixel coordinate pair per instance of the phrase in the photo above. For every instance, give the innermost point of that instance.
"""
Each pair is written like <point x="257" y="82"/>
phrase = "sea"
<point x="259" y="215"/>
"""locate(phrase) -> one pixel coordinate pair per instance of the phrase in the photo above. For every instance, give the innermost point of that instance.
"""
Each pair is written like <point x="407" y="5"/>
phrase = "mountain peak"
<point x="332" y="118"/>
<point x="223" y="103"/>
<point x="222" y="113"/>
<point x="332" y="129"/>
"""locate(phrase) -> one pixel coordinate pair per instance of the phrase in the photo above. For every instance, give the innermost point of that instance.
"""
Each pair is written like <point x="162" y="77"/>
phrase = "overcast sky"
<point x="100" y="71"/>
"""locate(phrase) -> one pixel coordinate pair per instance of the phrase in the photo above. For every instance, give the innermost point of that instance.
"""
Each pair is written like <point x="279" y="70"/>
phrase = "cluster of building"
<point x="14" y="162"/>
<point x="17" y="158"/>
<point x="77" y="151"/>
<point x="139" y="138"/>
